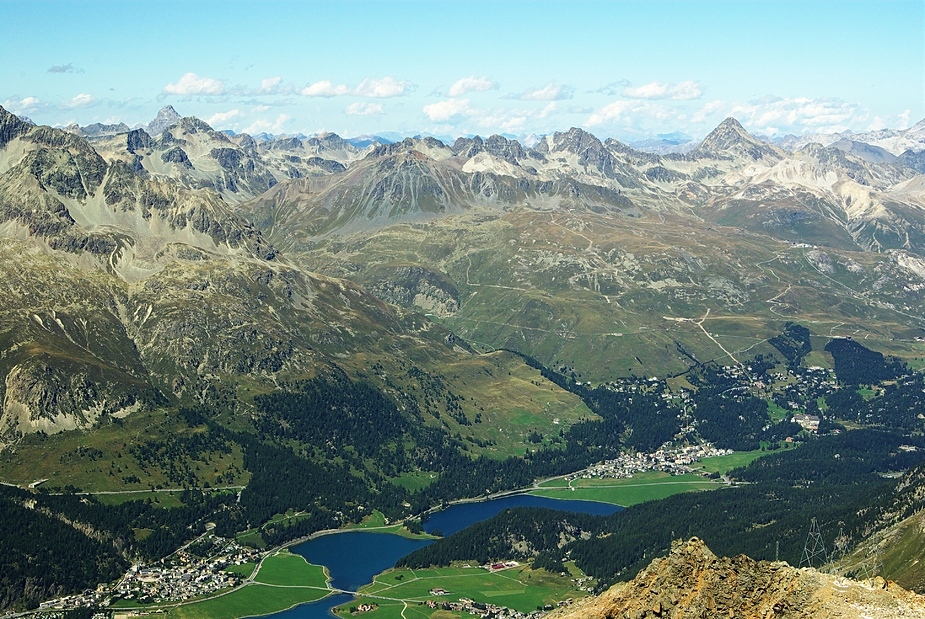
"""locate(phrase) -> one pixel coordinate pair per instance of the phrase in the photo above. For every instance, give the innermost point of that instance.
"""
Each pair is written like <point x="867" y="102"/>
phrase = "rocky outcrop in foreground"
<point x="692" y="582"/>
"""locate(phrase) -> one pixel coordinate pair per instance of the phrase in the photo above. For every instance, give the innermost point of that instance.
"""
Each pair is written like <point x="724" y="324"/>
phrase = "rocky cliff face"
<point x="692" y="582"/>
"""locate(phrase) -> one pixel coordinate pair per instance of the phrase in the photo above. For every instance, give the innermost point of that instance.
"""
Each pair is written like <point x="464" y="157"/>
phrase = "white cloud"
<point x="549" y="109"/>
<point x="550" y="92"/>
<point x="383" y="88"/>
<point x="449" y="110"/>
<point x="222" y="117"/>
<point x="632" y="113"/>
<point x="683" y="91"/>
<point x="270" y="84"/>
<point x="771" y="115"/>
<point x="275" y="126"/>
<point x="507" y="120"/>
<point x="472" y="84"/>
<point x="876" y="124"/>
<point x="461" y="115"/>
<point x="81" y="100"/>
<point x="708" y="110"/>
<point x="361" y="108"/>
<point x="21" y="106"/>
<point x="613" y="88"/>
<point x="325" y="88"/>
<point x="192" y="84"/>
<point x="612" y="112"/>
<point x="377" y="88"/>
<point x="281" y="121"/>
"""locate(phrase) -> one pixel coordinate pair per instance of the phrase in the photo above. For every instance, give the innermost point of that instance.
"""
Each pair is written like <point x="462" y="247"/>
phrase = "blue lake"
<point x="354" y="557"/>
<point x="458" y="517"/>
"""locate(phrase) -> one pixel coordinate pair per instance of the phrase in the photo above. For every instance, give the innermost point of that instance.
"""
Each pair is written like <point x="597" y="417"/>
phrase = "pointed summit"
<point x="166" y="117"/>
<point x="575" y="140"/>
<point x="731" y="139"/>
<point x="11" y="126"/>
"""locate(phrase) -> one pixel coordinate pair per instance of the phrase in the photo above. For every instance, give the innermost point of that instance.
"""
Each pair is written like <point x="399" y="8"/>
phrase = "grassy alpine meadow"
<point x="245" y="569"/>
<point x="283" y="580"/>
<point x="290" y="570"/>
<point x="649" y="485"/>
<point x="250" y="601"/>
<point x="103" y="460"/>
<point x="724" y="464"/>
<point x="520" y="588"/>
<point x="642" y="487"/>
<point x="375" y="522"/>
<point x="506" y="401"/>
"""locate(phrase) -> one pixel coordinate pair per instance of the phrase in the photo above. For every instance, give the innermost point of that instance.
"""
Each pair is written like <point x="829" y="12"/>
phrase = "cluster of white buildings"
<point x="90" y="598"/>
<point x="185" y="575"/>
<point x="674" y="461"/>
<point x="489" y="611"/>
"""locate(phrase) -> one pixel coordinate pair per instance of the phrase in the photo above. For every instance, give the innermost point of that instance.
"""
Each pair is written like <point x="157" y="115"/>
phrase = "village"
<point x="196" y="571"/>
<point x="675" y="461"/>
<point x="491" y="611"/>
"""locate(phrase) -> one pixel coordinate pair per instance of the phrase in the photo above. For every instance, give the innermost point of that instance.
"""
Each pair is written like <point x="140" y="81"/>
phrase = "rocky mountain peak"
<point x="468" y="147"/>
<point x="284" y="144"/>
<point x="11" y="127"/>
<point x="574" y="140"/>
<point x="192" y="125"/>
<point x="727" y="134"/>
<point x="96" y="130"/>
<point x="497" y="145"/>
<point x="693" y="582"/>
<point x="166" y="118"/>
<point x="330" y="141"/>
<point x="731" y="139"/>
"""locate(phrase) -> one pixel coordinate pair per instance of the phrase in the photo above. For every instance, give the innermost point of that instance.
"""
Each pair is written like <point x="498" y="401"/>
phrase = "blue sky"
<point x="624" y="69"/>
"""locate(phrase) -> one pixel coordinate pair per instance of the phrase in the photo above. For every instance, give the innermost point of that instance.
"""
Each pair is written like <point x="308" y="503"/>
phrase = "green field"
<point x="245" y="569"/>
<point x="252" y="600"/>
<point x="376" y="522"/>
<point x="724" y="464"/>
<point x="415" y="480"/>
<point x="647" y="486"/>
<point x="290" y="570"/>
<point x="251" y="538"/>
<point x="642" y="487"/>
<point x="283" y="581"/>
<point x="520" y="588"/>
<point x="775" y="412"/>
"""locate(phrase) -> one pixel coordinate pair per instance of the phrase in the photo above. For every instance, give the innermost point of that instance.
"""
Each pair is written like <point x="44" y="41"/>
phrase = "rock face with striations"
<point x="693" y="583"/>
<point x="166" y="117"/>
<point x="730" y="139"/>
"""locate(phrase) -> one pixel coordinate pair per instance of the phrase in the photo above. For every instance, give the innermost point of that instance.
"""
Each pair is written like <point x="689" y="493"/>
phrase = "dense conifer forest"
<point x="330" y="448"/>
<point x="838" y="481"/>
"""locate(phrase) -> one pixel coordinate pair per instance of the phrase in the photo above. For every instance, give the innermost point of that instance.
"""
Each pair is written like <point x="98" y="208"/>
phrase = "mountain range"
<point x="176" y="298"/>
<point x="154" y="264"/>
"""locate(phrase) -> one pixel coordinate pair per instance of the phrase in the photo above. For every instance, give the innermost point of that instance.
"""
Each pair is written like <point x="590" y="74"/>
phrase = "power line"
<point x="814" y="548"/>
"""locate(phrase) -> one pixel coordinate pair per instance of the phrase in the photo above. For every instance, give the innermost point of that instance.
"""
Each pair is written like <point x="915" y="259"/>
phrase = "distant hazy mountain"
<point x="166" y="117"/>
<point x="666" y="143"/>
<point x="894" y="141"/>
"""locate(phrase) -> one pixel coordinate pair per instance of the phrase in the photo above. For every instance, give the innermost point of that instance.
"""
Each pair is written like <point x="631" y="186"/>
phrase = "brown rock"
<point x="701" y="585"/>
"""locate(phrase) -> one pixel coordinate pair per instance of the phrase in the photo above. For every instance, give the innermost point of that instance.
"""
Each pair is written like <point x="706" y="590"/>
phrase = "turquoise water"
<point x="354" y="557"/>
